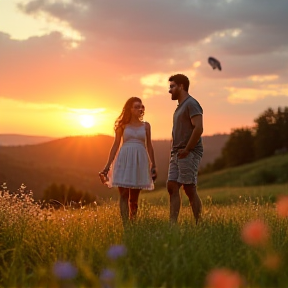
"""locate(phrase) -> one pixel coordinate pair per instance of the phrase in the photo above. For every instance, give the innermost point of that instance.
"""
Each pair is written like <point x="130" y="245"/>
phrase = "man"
<point x="187" y="148"/>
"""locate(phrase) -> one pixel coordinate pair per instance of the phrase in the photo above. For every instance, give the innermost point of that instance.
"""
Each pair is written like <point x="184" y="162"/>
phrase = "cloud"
<point x="155" y="80"/>
<point x="155" y="21"/>
<point x="257" y="78"/>
<point x="49" y="107"/>
<point x="239" y="95"/>
<point x="146" y="31"/>
<point x="126" y="48"/>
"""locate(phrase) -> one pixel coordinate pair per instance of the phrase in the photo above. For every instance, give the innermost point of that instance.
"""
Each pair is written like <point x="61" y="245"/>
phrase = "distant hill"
<point x="270" y="170"/>
<point x="19" y="140"/>
<point x="77" y="160"/>
<point x="212" y="147"/>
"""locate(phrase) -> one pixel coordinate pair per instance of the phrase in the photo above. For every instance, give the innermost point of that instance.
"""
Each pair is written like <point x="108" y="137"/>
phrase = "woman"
<point x="132" y="170"/>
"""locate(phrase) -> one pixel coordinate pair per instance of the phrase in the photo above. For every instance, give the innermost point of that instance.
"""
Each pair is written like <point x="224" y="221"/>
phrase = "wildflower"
<point x="116" y="251"/>
<point x="107" y="277"/>
<point x="223" y="278"/>
<point x="272" y="262"/>
<point x="4" y="187"/>
<point x="255" y="233"/>
<point x="282" y="206"/>
<point x="64" y="270"/>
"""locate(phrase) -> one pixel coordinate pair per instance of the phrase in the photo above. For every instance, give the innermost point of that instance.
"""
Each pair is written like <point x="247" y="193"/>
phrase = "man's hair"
<point x="180" y="79"/>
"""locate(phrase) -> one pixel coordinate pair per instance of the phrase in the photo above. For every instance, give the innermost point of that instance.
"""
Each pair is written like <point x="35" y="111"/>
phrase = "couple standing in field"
<point x="135" y="169"/>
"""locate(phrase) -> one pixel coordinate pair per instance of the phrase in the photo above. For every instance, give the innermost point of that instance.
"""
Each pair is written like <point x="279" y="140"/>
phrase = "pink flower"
<point x="282" y="206"/>
<point x="223" y="278"/>
<point x="255" y="233"/>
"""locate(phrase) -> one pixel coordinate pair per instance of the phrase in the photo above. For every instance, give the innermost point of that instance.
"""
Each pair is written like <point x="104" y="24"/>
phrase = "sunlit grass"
<point x="225" y="195"/>
<point x="32" y="240"/>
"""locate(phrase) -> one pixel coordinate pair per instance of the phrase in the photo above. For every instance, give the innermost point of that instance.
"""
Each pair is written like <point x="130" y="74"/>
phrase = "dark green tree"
<point x="244" y="145"/>
<point x="74" y="195"/>
<point x="52" y="192"/>
<point x="219" y="163"/>
<point x="64" y="195"/>
<point x="267" y="134"/>
<point x="282" y="125"/>
<point x="239" y="149"/>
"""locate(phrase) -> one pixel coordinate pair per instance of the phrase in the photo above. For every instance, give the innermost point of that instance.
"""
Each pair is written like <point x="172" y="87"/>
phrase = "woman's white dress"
<point x="131" y="168"/>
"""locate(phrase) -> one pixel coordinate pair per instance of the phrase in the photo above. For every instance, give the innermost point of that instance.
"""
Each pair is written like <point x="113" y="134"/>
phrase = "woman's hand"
<point x="103" y="175"/>
<point x="106" y="169"/>
<point x="154" y="173"/>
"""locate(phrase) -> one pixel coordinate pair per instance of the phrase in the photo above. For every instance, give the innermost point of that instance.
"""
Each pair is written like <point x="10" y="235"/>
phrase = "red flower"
<point x="282" y="206"/>
<point x="223" y="278"/>
<point x="255" y="233"/>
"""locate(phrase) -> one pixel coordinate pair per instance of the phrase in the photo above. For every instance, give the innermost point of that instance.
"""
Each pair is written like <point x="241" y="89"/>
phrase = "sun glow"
<point x="87" y="121"/>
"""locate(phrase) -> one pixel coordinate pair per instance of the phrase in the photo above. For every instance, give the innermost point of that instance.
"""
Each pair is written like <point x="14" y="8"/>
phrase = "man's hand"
<point x="182" y="153"/>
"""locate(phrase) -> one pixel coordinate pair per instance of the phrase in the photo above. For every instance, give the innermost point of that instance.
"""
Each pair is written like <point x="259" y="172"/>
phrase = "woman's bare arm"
<point x="114" y="148"/>
<point x="150" y="149"/>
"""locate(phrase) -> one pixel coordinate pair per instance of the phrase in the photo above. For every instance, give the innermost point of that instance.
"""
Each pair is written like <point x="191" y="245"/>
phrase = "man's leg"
<point x="194" y="199"/>
<point x="133" y="202"/>
<point x="175" y="201"/>
<point x="124" y="208"/>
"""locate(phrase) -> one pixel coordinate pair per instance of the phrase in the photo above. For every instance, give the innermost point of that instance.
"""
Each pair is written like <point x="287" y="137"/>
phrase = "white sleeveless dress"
<point x="131" y="168"/>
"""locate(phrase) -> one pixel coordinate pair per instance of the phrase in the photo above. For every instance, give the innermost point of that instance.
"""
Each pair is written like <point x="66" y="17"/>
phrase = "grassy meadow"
<point x="267" y="171"/>
<point x="74" y="247"/>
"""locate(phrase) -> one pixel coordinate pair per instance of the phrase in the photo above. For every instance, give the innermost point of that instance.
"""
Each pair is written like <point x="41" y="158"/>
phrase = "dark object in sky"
<point x="214" y="63"/>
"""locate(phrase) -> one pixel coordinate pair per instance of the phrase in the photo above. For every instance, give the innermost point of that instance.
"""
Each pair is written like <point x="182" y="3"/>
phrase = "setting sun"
<point x="87" y="121"/>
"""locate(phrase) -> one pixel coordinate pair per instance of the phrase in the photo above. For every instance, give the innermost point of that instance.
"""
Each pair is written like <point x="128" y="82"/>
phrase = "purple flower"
<point x="107" y="275"/>
<point x="116" y="251"/>
<point x="64" y="270"/>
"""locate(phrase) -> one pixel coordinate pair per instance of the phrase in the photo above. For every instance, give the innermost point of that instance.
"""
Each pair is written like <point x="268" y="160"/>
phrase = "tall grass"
<point x="32" y="240"/>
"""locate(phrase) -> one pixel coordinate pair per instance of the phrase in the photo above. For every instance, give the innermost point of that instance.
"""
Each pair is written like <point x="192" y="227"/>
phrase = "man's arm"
<point x="197" y="122"/>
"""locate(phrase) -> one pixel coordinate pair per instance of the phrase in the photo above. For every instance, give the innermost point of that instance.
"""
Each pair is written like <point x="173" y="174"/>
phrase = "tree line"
<point x="66" y="195"/>
<point x="269" y="136"/>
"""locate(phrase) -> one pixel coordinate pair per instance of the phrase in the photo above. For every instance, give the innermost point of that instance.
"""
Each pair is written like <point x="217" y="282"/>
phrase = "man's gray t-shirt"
<point x="182" y="126"/>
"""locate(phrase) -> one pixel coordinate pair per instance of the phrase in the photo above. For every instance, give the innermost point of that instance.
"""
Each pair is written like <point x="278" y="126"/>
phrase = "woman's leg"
<point x="124" y="208"/>
<point x="133" y="201"/>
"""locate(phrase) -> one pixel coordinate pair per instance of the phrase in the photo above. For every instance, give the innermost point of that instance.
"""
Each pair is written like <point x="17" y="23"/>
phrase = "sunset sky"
<point x="68" y="66"/>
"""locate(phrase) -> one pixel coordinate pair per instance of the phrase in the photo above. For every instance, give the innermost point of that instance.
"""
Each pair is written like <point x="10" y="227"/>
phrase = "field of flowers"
<point x="242" y="241"/>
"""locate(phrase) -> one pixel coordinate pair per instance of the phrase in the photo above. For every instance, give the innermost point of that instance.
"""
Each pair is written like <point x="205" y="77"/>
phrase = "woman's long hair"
<point x="125" y="115"/>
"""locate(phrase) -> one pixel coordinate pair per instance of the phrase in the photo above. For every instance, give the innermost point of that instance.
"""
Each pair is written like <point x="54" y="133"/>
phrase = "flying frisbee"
<point x="215" y="64"/>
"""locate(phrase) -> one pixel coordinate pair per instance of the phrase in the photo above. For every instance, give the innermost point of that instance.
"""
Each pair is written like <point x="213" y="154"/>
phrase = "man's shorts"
<point x="185" y="170"/>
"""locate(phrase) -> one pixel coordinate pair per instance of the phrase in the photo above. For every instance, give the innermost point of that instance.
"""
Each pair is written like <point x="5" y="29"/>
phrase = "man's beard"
<point x="175" y="96"/>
